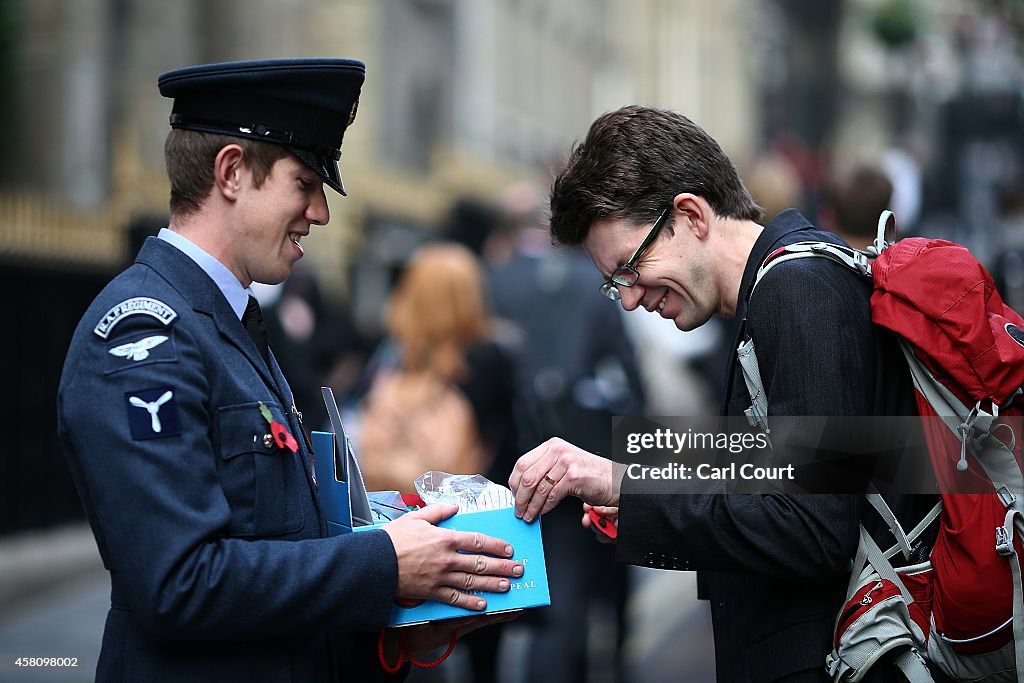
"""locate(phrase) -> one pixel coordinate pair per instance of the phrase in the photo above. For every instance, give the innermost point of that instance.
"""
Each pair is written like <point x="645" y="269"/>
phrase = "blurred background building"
<point x="463" y="98"/>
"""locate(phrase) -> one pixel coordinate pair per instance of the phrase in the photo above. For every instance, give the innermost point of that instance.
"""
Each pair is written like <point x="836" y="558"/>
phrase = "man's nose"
<point x="630" y="297"/>
<point x="317" y="212"/>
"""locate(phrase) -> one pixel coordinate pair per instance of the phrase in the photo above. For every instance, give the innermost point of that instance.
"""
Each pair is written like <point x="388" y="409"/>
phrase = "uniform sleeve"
<point x="138" y="435"/>
<point x="811" y="328"/>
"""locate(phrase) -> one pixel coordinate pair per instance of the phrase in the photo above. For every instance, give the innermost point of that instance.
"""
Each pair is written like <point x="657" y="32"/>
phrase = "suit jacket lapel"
<point x="231" y="328"/>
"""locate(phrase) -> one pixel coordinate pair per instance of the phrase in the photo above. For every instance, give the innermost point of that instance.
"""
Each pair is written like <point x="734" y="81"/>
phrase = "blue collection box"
<point x="343" y="497"/>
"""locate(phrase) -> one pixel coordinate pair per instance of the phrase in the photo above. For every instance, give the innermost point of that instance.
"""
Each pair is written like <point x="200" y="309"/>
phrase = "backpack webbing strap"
<point x="868" y="553"/>
<point x="914" y="533"/>
<point x="895" y="527"/>
<point x="844" y="256"/>
<point x="1005" y="547"/>
<point x="1018" y="616"/>
<point x="1018" y="602"/>
<point x="757" y="413"/>
<point x="912" y="665"/>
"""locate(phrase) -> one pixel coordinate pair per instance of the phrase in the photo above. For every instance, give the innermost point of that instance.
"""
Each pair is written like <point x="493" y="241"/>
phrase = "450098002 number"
<point x="46" y="661"/>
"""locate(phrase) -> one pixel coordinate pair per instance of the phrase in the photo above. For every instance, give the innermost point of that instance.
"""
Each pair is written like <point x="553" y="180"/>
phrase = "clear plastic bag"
<point x="471" y="492"/>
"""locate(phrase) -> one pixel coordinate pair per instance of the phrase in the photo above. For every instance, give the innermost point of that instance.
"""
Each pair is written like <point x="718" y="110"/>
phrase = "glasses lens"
<point x="625" y="276"/>
<point x="609" y="290"/>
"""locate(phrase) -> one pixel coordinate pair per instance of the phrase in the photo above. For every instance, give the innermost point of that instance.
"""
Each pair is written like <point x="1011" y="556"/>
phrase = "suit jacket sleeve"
<point x="810" y="322"/>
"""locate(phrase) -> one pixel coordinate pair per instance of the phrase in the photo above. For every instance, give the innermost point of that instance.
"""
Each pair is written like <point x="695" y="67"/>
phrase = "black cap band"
<point x="255" y="131"/>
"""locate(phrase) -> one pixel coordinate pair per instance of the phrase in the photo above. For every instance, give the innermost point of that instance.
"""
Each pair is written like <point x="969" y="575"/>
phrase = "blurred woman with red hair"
<point x="447" y="403"/>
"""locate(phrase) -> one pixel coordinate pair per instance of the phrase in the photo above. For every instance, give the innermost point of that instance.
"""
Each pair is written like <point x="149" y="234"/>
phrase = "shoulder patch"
<point x="152" y="413"/>
<point x="140" y="305"/>
<point x="137" y="351"/>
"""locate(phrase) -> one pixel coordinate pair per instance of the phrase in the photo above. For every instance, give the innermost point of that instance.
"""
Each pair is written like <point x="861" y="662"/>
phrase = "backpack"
<point x="963" y="609"/>
<point x="414" y="423"/>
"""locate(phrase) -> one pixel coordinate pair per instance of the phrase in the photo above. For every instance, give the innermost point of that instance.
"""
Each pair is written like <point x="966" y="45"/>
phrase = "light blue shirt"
<point x="237" y="296"/>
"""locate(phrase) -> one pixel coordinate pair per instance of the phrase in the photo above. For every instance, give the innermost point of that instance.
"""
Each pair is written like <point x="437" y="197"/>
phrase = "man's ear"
<point x="692" y="213"/>
<point x="228" y="170"/>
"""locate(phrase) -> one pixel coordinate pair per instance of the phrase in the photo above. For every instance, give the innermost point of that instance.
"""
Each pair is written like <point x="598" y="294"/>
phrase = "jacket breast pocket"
<point x="263" y="483"/>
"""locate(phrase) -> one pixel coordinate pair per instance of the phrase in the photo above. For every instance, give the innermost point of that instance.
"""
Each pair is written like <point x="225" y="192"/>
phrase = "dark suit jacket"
<point x="214" y="538"/>
<point x="775" y="567"/>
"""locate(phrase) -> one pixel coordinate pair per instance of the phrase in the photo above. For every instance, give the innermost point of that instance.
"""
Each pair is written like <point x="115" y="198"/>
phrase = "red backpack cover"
<point x="939" y="298"/>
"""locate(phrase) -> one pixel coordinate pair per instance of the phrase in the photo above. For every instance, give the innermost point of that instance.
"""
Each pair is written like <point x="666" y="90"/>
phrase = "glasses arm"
<point x="655" y="229"/>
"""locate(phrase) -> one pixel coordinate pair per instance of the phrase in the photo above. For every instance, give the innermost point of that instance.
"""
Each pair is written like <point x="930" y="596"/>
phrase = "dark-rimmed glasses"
<point x="626" y="275"/>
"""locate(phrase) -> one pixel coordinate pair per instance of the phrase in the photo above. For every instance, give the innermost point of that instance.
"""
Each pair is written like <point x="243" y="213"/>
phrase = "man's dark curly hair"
<point x="630" y="166"/>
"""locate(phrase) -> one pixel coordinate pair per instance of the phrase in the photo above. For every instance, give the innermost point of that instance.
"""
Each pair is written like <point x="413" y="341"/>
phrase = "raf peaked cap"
<point x="303" y="104"/>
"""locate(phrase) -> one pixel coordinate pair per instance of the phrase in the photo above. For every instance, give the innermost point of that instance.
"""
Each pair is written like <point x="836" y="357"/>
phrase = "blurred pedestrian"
<point x="852" y="202"/>
<point x="774" y="183"/>
<point x="445" y="403"/>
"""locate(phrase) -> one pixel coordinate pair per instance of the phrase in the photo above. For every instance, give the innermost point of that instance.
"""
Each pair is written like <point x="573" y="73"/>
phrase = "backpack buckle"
<point x="832" y="664"/>
<point x="1006" y="497"/>
<point x="976" y="428"/>
<point x="1004" y="542"/>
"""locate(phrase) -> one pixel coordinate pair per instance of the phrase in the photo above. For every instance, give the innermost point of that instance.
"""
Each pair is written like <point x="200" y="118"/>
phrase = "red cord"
<point x="431" y="665"/>
<point x="401" y="652"/>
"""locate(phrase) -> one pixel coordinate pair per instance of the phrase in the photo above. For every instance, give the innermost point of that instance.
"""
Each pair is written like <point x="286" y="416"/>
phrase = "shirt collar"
<point x="227" y="283"/>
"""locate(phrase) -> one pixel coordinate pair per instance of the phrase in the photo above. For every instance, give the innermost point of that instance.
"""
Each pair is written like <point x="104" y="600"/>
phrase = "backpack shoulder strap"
<point x="757" y="413"/>
<point x="855" y="260"/>
<point x="912" y="665"/>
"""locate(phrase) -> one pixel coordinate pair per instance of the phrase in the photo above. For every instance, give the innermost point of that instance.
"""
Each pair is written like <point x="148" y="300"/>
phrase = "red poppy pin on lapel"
<point x="281" y="434"/>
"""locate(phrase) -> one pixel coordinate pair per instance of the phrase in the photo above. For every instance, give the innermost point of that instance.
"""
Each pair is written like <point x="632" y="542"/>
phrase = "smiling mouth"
<point x="661" y="304"/>
<point x="295" y="237"/>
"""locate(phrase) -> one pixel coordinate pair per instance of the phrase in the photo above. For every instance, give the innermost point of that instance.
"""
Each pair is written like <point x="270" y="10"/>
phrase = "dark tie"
<point x="252" y="319"/>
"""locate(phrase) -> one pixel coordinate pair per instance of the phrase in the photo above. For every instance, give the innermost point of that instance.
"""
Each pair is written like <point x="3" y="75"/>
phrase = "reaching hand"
<point x="556" y="469"/>
<point x="431" y="566"/>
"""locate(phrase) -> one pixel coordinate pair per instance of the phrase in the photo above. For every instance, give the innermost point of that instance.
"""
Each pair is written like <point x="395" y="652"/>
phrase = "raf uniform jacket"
<point x="214" y="538"/>
<point x="775" y="567"/>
